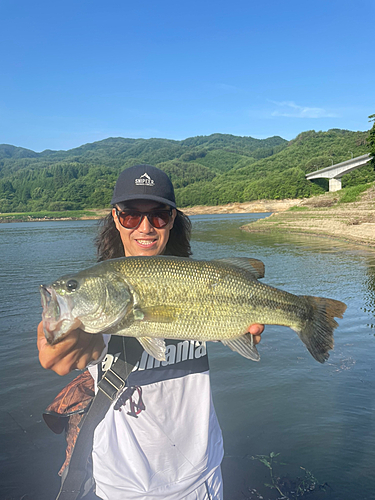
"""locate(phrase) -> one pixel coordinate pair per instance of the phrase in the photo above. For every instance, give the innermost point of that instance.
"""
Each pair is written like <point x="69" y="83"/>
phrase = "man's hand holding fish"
<point x="75" y="352"/>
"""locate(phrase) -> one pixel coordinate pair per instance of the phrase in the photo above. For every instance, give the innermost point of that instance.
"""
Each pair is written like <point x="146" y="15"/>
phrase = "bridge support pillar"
<point x="335" y="184"/>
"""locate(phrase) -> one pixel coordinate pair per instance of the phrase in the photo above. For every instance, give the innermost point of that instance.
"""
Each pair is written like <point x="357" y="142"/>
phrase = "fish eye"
<point x="71" y="285"/>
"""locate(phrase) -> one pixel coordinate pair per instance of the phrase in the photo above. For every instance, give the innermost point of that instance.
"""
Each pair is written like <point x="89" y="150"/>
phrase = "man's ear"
<point x="174" y="214"/>
<point x="114" y="215"/>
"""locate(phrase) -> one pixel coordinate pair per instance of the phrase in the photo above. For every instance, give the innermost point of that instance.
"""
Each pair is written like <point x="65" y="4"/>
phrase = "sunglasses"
<point x="131" y="219"/>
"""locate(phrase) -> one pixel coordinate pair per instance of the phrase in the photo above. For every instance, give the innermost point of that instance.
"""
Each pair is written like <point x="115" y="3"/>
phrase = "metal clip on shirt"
<point x="111" y="384"/>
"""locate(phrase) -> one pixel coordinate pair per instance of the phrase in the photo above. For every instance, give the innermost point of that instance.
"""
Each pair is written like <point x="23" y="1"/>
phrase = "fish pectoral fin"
<point x="156" y="314"/>
<point x="253" y="266"/>
<point x="243" y="345"/>
<point x="153" y="346"/>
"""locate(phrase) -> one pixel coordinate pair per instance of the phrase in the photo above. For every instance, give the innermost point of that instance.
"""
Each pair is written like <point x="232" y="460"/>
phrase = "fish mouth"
<point x="57" y="316"/>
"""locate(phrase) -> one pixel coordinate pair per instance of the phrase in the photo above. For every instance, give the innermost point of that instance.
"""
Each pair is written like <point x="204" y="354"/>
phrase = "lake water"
<point x="319" y="417"/>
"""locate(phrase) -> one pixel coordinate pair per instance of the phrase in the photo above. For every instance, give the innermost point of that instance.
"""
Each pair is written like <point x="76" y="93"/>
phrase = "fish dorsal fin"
<point x="153" y="346"/>
<point x="253" y="266"/>
<point x="243" y="345"/>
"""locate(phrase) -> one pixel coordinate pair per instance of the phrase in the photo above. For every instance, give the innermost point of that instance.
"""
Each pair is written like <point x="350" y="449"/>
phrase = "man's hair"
<point x="109" y="245"/>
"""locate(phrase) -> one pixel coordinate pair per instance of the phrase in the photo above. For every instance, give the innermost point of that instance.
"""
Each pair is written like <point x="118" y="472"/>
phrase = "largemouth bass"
<point x="153" y="298"/>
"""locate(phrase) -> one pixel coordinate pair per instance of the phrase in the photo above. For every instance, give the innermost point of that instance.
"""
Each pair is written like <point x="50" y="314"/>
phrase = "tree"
<point x="371" y="140"/>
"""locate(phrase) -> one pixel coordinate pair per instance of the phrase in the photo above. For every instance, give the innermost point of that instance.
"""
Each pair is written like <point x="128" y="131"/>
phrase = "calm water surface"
<point x="320" y="417"/>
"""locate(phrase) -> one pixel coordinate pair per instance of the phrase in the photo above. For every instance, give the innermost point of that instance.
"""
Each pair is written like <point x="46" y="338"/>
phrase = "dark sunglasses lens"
<point x="129" y="220"/>
<point x="159" y="219"/>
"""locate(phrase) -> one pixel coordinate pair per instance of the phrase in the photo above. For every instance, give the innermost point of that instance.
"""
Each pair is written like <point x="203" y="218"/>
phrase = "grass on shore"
<point x="352" y="194"/>
<point x="45" y="215"/>
<point x="334" y="199"/>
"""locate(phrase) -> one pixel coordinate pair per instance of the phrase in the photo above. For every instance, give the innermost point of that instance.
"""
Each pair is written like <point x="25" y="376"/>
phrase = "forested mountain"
<point x="206" y="170"/>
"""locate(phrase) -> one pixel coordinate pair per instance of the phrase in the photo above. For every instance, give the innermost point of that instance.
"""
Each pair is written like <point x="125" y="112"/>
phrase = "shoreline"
<point x="258" y="206"/>
<point x="320" y="216"/>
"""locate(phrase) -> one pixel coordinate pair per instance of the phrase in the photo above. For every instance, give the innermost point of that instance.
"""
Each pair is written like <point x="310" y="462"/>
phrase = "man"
<point x="161" y="439"/>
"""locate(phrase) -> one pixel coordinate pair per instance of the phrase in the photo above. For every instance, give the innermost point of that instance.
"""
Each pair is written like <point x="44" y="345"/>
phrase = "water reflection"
<point x="369" y="295"/>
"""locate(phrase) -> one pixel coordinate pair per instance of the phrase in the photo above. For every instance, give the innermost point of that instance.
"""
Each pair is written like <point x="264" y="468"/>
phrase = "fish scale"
<point x="152" y="298"/>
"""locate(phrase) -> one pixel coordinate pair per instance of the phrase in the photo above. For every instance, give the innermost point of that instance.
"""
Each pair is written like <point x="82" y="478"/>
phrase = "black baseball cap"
<point x="144" y="182"/>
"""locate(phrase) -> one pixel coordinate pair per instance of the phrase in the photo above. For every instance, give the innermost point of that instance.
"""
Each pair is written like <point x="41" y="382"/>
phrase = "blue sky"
<point x="80" y="71"/>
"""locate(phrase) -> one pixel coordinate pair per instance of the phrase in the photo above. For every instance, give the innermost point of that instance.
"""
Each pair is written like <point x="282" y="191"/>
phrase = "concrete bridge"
<point x="335" y="172"/>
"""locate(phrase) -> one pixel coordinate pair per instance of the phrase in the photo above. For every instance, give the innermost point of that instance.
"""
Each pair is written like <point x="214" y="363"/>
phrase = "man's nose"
<point x="145" y="226"/>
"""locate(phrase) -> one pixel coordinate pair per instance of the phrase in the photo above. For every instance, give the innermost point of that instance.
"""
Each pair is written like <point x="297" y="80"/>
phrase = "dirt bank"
<point x="259" y="206"/>
<point x="323" y="216"/>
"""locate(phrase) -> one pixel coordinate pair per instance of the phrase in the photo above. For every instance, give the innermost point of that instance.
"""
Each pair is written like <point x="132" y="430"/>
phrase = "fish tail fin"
<point x="317" y="332"/>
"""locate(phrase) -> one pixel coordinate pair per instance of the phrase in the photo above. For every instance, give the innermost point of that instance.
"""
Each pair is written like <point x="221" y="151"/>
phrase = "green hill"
<point x="205" y="170"/>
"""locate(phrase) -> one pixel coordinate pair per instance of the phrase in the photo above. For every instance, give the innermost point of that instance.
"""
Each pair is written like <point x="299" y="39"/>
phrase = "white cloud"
<point x="292" y="110"/>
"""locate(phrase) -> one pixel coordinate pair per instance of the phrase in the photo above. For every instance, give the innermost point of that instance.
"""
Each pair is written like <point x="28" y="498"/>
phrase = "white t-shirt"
<point x="164" y="441"/>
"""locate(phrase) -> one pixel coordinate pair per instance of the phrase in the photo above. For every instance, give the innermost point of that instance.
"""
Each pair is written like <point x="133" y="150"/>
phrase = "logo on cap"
<point x="144" y="180"/>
